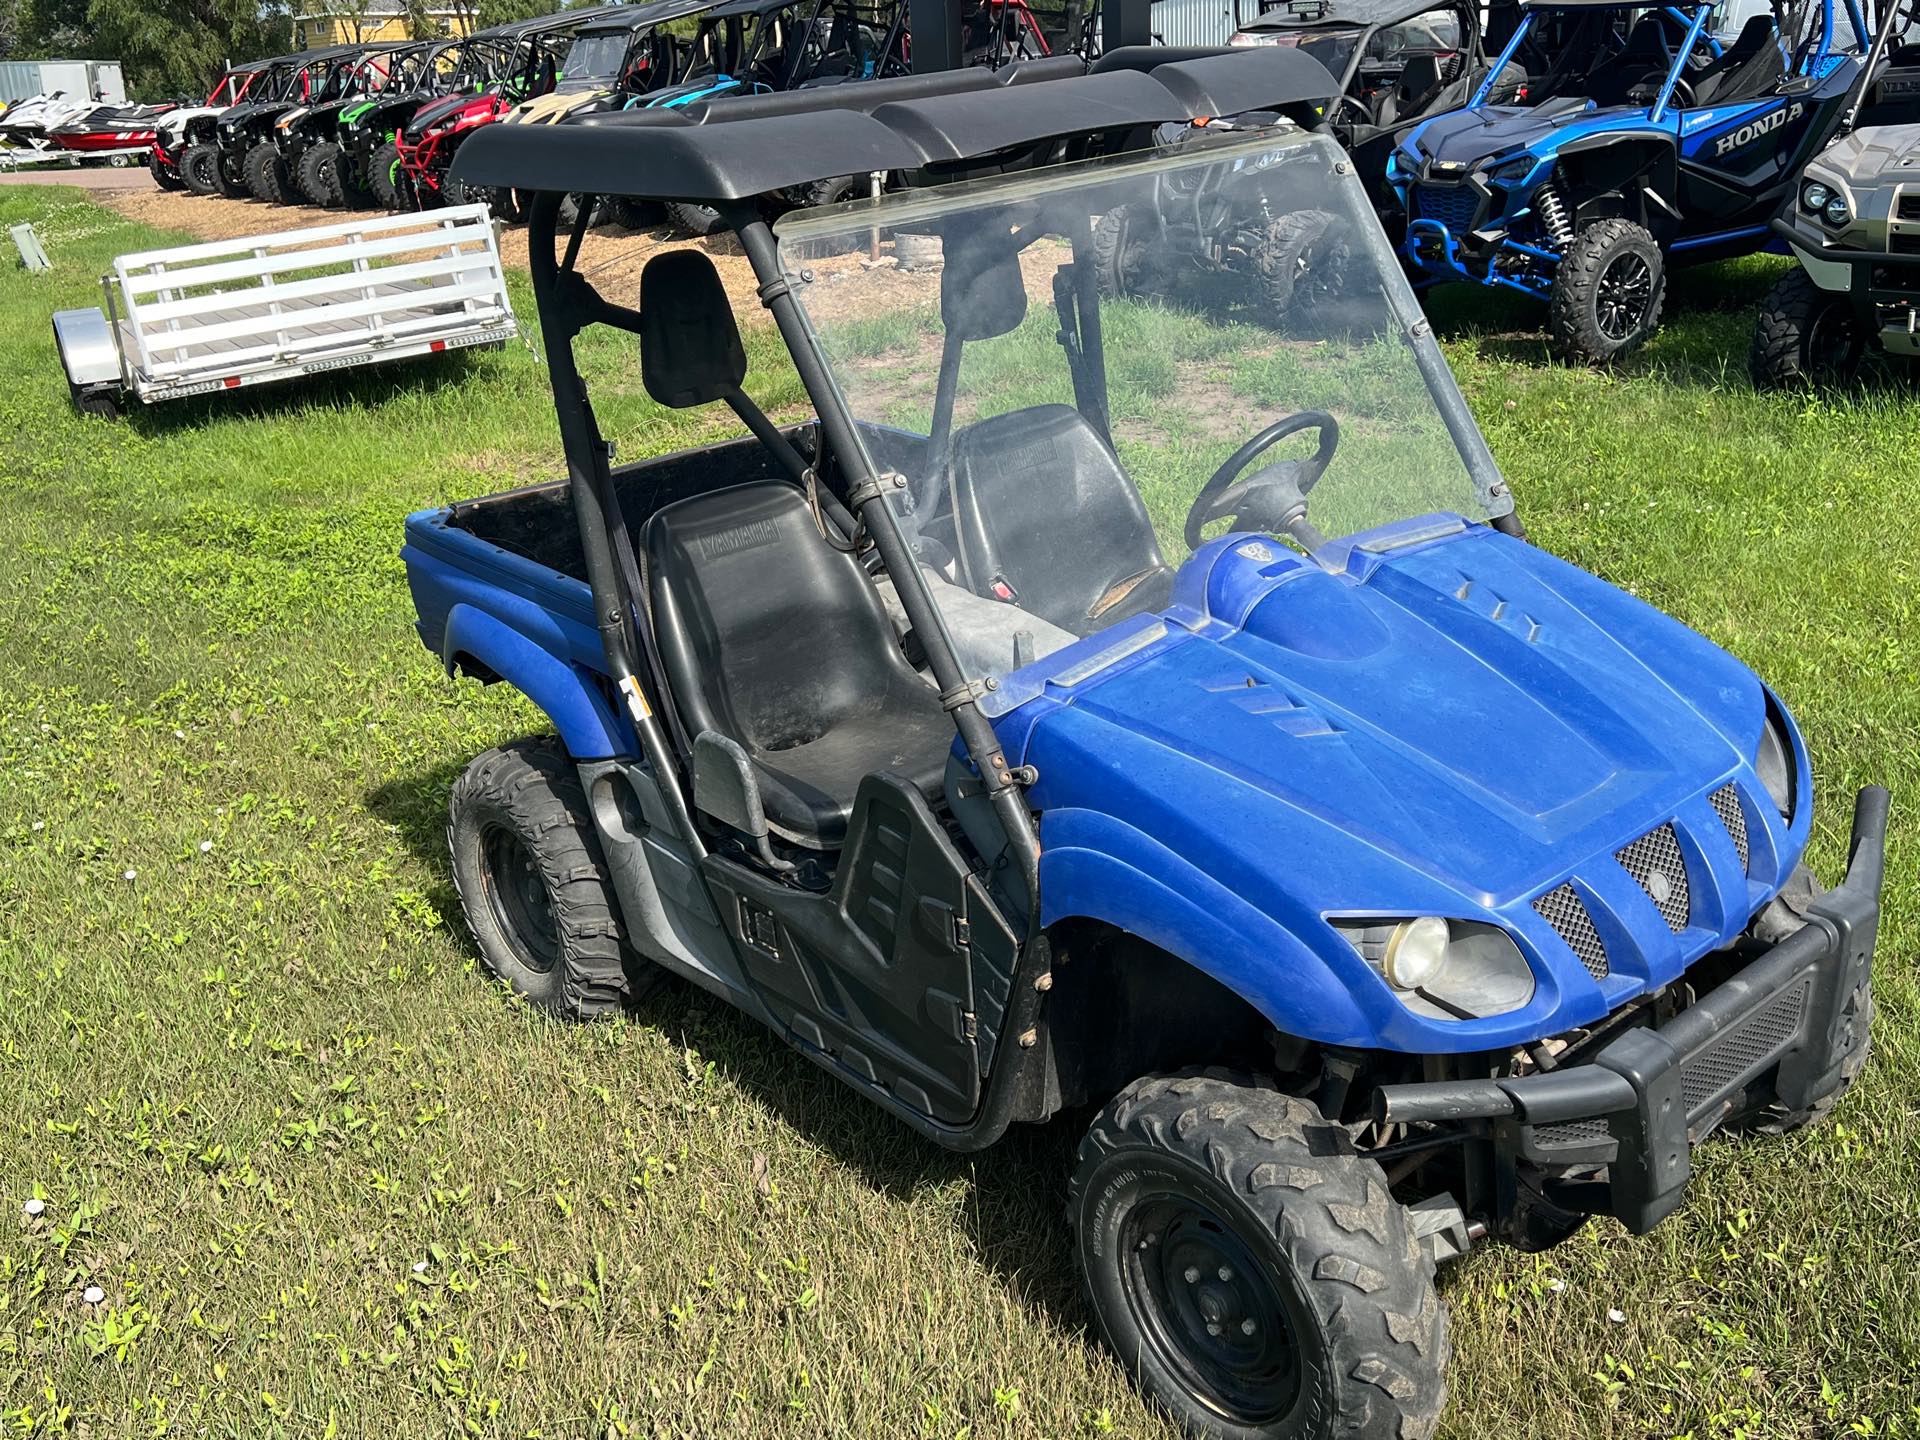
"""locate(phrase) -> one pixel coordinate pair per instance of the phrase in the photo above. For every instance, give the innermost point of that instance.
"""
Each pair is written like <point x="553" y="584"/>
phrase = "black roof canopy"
<point x="738" y="148"/>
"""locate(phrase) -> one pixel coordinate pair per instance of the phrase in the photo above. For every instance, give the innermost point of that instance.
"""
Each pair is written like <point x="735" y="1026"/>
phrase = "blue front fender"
<point x="1094" y="866"/>
<point x="587" y="724"/>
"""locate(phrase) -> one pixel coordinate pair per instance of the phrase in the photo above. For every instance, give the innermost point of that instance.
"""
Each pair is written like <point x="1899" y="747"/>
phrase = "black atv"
<point x="1396" y="62"/>
<point x="249" y="161"/>
<point x="201" y="156"/>
<point x="308" y="137"/>
<point x="367" y="162"/>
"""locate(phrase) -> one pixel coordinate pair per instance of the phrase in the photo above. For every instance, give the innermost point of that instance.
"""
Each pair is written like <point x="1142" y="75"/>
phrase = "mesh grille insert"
<point x="1654" y="863"/>
<point x="1568" y="1134"/>
<point x="1454" y="206"/>
<point x="1745" y="1048"/>
<point x="1726" y="804"/>
<point x="1562" y="909"/>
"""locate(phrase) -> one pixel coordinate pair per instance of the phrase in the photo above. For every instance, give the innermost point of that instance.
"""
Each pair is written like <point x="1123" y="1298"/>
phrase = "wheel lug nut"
<point x="1213" y="1329"/>
<point x="1247" y="1327"/>
<point x="1192" y="1276"/>
<point x="1226" y="1272"/>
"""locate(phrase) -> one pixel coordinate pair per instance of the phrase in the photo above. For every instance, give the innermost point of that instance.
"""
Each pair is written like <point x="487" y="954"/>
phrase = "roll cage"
<point x="729" y="156"/>
<point x="1609" y="51"/>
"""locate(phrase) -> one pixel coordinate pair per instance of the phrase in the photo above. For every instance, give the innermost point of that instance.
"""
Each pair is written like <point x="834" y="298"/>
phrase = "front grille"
<point x="1909" y="207"/>
<point x="1726" y="804"/>
<point x="1564" y="910"/>
<point x="1454" y="206"/>
<point x="1654" y="863"/>
<point x="1739" y="1052"/>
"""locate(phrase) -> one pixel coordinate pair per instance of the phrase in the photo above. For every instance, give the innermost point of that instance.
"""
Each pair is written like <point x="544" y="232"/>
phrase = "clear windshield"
<point x="596" y="59"/>
<point x="1060" y="365"/>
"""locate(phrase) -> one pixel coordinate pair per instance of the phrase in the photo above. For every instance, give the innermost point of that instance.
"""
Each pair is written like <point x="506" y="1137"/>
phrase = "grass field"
<point x="330" y="1183"/>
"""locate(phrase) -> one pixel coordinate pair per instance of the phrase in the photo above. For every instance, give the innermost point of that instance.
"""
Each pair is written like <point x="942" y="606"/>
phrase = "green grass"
<point x="330" y="1182"/>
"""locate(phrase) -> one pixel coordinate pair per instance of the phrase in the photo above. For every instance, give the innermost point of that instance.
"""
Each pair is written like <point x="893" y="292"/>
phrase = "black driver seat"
<point x="1047" y="520"/>
<point x="776" y="640"/>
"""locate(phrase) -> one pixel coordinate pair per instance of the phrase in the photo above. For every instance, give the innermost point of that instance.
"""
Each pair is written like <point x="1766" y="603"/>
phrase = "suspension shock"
<point x="1553" y="216"/>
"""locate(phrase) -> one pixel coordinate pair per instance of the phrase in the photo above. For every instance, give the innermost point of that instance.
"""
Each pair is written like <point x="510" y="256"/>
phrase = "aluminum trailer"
<point x="231" y="313"/>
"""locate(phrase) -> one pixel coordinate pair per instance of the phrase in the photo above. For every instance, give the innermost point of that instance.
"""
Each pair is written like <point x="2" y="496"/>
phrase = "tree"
<point x="168" y="47"/>
<point x="499" y="12"/>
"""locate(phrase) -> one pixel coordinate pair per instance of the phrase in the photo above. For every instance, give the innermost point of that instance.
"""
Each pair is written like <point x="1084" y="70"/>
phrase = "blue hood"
<point x="1478" y="138"/>
<point x="1438" y="720"/>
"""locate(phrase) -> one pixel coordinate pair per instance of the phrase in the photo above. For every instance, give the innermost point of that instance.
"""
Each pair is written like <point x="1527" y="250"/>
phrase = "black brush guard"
<point x="1649" y="1095"/>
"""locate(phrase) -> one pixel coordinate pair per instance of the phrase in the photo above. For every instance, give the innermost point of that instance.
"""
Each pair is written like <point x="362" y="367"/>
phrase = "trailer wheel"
<point x="163" y="176"/>
<point x="1251" y="1269"/>
<point x="1805" y="336"/>
<point x="87" y="401"/>
<point x="383" y="173"/>
<point x="320" y="176"/>
<point x="267" y="175"/>
<point x="1607" y="293"/>
<point x="534" y="886"/>
<point x="200" y="168"/>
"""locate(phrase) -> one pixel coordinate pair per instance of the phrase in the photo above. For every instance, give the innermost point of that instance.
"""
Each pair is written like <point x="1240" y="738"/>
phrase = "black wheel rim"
<point x="1623" y="296"/>
<point x="1832" y="343"/>
<point x="518" y="898"/>
<point x="1212" y="1309"/>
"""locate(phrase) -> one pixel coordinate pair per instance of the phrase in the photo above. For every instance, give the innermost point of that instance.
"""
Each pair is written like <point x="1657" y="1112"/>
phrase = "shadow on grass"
<point x="1015" y="1213"/>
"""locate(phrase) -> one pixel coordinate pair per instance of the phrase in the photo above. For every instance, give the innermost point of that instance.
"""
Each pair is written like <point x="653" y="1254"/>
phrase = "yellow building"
<point x="355" y="22"/>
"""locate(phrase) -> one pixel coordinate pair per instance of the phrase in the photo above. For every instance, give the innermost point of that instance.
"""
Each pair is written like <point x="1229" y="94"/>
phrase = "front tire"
<point x="1252" y="1270"/>
<point x="698" y="221"/>
<point x="164" y="177"/>
<point x="534" y="885"/>
<point x="1299" y="261"/>
<point x="1805" y="336"/>
<point x="1856" y="1020"/>
<point x="267" y="175"/>
<point x="320" y="176"/>
<point x="1607" y="294"/>
<point x="200" y="168"/>
<point x="384" y="175"/>
<point x="1120" y="256"/>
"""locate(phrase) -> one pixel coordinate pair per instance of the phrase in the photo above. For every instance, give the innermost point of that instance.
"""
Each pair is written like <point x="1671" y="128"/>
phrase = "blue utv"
<point x="1105" y="703"/>
<point x="1643" y="142"/>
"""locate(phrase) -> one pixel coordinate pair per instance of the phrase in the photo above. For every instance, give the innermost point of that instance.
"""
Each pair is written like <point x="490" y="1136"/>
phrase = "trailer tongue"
<point x="231" y="313"/>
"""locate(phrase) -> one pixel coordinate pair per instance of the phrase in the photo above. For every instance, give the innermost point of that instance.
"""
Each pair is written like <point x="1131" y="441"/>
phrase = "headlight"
<point x="1444" y="969"/>
<point x="1773" y="762"/>
<point x="1836" y="212"/>
<point x="1815" y="196"/>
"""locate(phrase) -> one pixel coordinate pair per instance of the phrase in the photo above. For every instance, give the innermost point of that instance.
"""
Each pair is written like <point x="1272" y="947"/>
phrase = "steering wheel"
<point x="1274" y="497"/>
<point x="1647" y="91"/>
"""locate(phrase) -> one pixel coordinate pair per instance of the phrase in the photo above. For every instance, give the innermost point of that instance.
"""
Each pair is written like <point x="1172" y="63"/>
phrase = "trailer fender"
<point x="479" y="642"/>
<point x="87" y="351"/>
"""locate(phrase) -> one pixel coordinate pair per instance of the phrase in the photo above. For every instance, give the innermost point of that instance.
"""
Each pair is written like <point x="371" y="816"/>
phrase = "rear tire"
<point x="1607" y="294"/>
<point x="200" y="169"/>
<point x="1805" y="336"/>
<point x="534" y="885"/>
<point x="1120" y="257"/>
<point x="320" y="176"/>
<point x="386" y="178"/>
<point x="1252" y="1270"/>
<point x="1300" y="261"/>
<point x="164" y="177"/>
<point x="699" y="221"/>
<point x="267" y="175"/>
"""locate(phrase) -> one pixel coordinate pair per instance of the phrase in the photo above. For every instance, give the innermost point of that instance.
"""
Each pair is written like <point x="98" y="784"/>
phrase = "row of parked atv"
<point x="379" y="124"/>
<point x="1572" y="151"/>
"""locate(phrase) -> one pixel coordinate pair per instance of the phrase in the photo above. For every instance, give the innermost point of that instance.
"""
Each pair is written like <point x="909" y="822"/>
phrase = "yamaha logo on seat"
<point x="741" y="537"/>
<point x="1753" y="130"/>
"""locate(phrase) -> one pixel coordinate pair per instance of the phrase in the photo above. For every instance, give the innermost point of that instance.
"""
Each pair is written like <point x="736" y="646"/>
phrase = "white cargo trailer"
<point x="232" y="313"/>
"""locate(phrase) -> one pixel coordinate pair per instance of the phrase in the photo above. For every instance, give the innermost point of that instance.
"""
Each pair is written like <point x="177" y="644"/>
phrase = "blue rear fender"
<point x="483" y="644"/>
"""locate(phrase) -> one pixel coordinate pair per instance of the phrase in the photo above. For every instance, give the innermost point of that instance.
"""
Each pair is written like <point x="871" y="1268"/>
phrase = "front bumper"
<point x="1884" y="285"/>
<point x="1774" y="1032"/>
